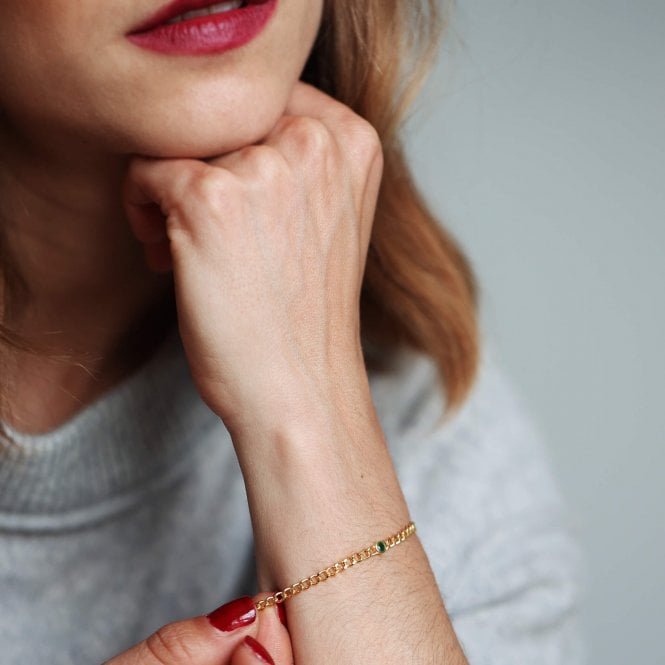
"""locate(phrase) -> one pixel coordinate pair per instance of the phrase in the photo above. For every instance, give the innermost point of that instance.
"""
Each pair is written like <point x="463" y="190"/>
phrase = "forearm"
<point x="320" y="489"/>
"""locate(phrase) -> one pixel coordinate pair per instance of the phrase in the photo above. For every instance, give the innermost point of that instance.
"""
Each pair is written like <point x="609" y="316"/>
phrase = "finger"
<point x="251" y="652"/>
<point x="273" y="634"/>
<point x="149" y="224"/>
<point x="188" y="197"/>
<point x="320" y="121"/>
<point x="356" y="138"/>
<point x="149" y="227"/>
<point x="159" y="181"/>
<point x="205" y="640"/>
<point x="158" y="256"/>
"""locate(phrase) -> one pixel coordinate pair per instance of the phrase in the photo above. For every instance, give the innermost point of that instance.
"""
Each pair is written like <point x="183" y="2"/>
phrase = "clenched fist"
<point x="268" y="246"/>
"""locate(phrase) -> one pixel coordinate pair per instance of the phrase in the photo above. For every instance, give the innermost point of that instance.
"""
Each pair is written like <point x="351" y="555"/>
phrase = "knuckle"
<point x="207" y="185"/>
<point x="269" y="164"/>
<point x="310" y="135"/>
<point x="173" y="644"/>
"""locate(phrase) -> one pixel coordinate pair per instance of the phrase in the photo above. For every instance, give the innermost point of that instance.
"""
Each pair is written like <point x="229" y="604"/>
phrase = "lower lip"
<point x="206" y="35"/>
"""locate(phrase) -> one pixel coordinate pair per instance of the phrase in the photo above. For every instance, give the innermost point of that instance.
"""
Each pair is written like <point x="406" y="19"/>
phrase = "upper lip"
<point x="172" y="10"/>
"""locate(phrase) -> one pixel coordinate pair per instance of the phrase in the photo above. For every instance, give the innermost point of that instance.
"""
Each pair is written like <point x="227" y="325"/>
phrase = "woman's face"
<point x="68" y="70"/>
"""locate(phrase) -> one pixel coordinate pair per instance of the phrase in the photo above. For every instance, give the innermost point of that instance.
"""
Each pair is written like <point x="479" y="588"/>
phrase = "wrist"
<point x="316" y="488"/>
<point x="308" y="439"/>
<point x="302" y="408"/>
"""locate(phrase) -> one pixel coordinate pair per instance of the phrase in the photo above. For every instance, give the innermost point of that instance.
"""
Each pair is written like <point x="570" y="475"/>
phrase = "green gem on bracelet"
<point x="381" y="547"/>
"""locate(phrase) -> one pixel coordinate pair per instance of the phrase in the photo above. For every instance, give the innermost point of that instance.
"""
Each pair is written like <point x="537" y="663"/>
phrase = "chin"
<point x="198" y="144"/>
<point x="201" y="131"/>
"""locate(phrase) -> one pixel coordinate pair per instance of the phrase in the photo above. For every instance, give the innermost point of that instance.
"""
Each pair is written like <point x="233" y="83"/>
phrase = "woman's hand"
<point x="268" y="246"/>
<point x="235" y="634"/>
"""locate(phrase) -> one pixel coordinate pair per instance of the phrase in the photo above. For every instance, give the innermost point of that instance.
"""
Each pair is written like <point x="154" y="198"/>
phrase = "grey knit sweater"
<point x="133" y="515"/>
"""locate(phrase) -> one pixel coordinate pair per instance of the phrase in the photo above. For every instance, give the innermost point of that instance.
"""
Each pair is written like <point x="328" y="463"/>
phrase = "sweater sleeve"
<point x="499" y="536"/>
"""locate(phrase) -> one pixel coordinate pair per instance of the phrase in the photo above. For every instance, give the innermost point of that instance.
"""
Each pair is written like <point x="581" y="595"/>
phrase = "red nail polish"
<point x="259" y="650"/>
<point x="282" y="613"/>
<point x="236" y="614"/>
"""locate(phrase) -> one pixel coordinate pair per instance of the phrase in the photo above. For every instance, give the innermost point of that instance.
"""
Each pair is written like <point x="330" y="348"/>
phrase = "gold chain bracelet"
<point x="379" y="547"/>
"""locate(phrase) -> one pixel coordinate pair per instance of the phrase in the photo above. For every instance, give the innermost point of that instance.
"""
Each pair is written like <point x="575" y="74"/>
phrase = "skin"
<point x="65" y="155"/>
<point x="248" y="189"/>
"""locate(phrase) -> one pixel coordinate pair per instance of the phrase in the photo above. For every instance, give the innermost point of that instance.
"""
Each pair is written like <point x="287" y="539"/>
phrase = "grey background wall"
<point x="540" y="141"/>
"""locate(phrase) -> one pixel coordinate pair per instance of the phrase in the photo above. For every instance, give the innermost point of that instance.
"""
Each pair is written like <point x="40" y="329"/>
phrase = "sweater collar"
<point x="129" y="439"/>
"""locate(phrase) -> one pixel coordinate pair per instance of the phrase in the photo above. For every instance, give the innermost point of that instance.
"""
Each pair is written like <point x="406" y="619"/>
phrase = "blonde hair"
<point x="419" y="290"/>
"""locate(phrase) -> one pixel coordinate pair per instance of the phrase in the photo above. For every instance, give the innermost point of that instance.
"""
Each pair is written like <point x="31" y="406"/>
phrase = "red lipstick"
<point x="173" y="31"/>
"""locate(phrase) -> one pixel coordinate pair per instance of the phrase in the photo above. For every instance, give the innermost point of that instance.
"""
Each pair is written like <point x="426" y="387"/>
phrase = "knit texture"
<point x="133" y="514"/>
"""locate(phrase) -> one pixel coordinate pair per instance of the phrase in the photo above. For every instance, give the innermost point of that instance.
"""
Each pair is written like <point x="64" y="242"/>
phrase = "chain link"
<point x="379" y="547"/>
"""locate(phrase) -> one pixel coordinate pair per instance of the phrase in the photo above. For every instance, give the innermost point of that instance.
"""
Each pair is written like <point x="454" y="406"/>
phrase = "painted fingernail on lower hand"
<point x="236" y="614"/>
<point x="259" y="651"/>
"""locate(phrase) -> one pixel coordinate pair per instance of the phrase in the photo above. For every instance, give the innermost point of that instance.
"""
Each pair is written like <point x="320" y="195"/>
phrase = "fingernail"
<point x="282" y="613"/>
<point x="259" y="650"/>
<point x="236" y="614"/>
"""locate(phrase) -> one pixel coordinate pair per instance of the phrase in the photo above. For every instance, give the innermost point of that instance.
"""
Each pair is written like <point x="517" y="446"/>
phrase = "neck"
<point x="87" y="289"/>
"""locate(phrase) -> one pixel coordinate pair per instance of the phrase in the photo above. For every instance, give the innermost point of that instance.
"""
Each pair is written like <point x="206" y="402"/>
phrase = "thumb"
<point x="204" y="640"/>
<point x="272" y="644"/>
